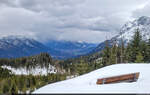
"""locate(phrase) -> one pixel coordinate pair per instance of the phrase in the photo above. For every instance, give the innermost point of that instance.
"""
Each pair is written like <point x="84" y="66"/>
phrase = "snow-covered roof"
<point x="87" y="82"/>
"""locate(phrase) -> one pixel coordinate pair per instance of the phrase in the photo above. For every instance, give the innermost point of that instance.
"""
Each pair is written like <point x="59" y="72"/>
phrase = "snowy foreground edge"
<point x="87" y="82"/>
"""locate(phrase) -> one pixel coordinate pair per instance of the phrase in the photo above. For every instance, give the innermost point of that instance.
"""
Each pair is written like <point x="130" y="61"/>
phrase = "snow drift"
<point x="87" y="83"/>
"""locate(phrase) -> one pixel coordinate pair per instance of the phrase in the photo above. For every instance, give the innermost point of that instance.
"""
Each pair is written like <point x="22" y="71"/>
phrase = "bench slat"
<point x="126" y="77"/>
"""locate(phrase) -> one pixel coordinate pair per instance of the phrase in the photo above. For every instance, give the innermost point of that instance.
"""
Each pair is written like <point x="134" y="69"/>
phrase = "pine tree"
<point x="21" y="83"/>
<point x="5" y="88"/>
<point x="106" y="54"/>
<point x="128" y="53"/>
<point x="147" y="51"/>
<point x="144" y="48"/>
<point x="122" y="52"/>
<point x="135" y="45"/>
<point x="13" y="88"/>
<point x="114" y="53"/>
<point x="139" y="58"/>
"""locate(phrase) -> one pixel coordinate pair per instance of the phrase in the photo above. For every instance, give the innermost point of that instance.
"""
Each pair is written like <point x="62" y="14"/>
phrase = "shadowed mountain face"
<point x="127" y="32"/>
<point x="11" y="47"/>
<point x="68" y="49"/>
<point x="14" y="46"/>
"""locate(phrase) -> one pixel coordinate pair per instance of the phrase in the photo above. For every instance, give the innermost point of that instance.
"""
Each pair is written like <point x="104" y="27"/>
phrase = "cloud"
<point x="84" y="20"/>
<point x="142" y="10"/>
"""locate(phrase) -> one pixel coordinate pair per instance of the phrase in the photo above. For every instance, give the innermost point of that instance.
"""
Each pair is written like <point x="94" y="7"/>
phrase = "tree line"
<point x="11" y="83"/>
<point x="14" y="84"/>
<point x="136" y="51"/>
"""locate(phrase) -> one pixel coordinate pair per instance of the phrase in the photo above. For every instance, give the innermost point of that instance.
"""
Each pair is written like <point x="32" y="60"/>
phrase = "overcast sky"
<point x="74" y="20"/>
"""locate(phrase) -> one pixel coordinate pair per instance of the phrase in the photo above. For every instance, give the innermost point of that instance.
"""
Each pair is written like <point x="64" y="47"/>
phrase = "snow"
<point x="34" y="71"/>
<point x="128" y="29"/>
<point x="15" y="41"/>
<point x="80" y="42"/>
<point x="87" y="82"/>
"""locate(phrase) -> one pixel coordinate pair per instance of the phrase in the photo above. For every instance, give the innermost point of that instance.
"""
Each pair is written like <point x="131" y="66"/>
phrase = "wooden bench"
<point x="121" y="78"/>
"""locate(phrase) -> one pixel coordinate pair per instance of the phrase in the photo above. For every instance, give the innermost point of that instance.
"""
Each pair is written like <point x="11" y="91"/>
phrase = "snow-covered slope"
<point x="34" y="71"/>
<point x="87" y="83"/>
<point x="128" y="30"/>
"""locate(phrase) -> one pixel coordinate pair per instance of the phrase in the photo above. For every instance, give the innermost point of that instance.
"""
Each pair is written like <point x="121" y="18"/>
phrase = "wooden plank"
<point x="121" y="78"/>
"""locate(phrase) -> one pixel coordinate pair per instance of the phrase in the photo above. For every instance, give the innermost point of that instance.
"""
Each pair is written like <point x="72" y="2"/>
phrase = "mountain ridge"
<point x="127" y="32"/>
<point x="19" y="46"/>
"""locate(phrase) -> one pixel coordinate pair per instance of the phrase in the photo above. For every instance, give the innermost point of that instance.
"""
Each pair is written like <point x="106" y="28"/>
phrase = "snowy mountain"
<point x="127" y="31"/>
<point x="87" y="83"/>
<point x="69" y="49"/>
<point x="18" y="46"/>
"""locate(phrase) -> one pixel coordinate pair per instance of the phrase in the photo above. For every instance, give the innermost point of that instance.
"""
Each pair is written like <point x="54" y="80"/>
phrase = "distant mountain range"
<point x="18" y="46"/>
<point x="15" y="46"/>
<point x="128" y="30"/>
<point x="68" y="49"/>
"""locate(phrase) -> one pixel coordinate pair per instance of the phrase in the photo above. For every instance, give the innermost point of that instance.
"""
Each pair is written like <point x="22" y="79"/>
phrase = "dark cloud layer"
<point x="75" y="20"/>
